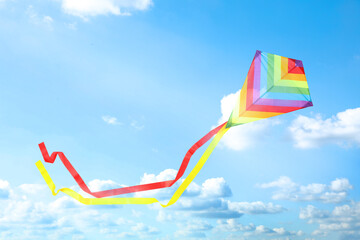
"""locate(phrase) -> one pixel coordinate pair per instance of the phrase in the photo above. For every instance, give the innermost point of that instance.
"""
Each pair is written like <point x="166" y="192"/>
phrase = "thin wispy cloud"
<point x="38" y="19"/>
<point x="111" y="120"/>
<point x="91" y="8"/>
<point x="136" y="125"/>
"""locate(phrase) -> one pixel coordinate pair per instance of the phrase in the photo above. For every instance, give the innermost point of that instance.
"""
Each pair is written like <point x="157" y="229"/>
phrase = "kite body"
<point x="273" y="86"/>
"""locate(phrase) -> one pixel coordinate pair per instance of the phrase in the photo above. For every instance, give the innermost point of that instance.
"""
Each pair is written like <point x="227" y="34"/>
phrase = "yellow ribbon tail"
<point x="131" y="200"/>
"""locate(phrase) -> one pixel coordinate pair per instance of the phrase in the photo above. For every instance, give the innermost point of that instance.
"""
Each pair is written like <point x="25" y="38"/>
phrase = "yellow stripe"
<point x="277" y="68"/>
<point x="284" y="66"/>
<point x="243" y="120"/>
<point x="256" y="114"/>
<point x="111" y="201"/>
<point x="291" y="83"/>
<point x="242" y="103"/>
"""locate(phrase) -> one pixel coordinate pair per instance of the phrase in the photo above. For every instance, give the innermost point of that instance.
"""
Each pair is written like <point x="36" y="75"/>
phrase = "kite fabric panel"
<point x="273" y="86"/>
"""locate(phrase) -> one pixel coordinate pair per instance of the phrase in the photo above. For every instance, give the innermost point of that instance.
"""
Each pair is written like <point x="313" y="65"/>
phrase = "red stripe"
<point x="299" y="70"/>
<point x="250" y="85"/>
<point x="291" y="64"/>
<point x="268" y="108"/>
<point x="136" y="188"/>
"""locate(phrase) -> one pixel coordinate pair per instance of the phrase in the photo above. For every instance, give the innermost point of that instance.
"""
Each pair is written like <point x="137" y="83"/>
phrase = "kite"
<point x="273" y="86"/>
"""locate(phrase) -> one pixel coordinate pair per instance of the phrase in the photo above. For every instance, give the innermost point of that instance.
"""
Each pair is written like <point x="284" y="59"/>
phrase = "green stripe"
<point x="270" y="72"/>
<point x="296" y="90"/>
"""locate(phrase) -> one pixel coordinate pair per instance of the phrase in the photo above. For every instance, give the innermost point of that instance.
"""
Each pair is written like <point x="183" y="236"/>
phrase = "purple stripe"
<point x="284" y="103"/>
<point x="257" y="69"/>
<point x="298" y="63"/>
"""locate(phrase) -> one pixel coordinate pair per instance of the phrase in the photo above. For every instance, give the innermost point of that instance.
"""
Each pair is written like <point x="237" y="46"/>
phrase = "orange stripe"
<point x="284" y="66"/>
<point x="295" y="77"/>
<point x="256" y="114"/>
<point x="243" y="95"/>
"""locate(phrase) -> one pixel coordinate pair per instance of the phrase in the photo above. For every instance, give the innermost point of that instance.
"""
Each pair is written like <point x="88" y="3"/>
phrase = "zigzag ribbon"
<point x="131" y="189"/>
<point x="274" y="85"/>
<point x="110" y="201"/>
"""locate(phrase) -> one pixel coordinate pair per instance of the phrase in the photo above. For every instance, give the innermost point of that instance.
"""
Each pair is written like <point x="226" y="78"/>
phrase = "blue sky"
<point x="124" y="88"/>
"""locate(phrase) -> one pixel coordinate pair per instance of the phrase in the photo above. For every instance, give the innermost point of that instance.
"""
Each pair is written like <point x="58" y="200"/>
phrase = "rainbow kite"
<point x="274" y="85"/>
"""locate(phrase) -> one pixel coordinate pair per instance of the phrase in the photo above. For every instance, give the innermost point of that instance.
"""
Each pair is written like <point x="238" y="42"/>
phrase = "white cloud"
<point x="340" y="184"/>
<point x="101" y="185"/>
<point x="22" y="217"/>
<point x="257" y="207"/>
<point x="34" y="18"/>
<point x="342" y="219"/>
<point x="47" y="19"/>
<point x="167" y="174"/>
<point x="342" y="129"/>
<point x="135" y="124"/>
<point x="231" y="225"/>
<point x="31" y="219"/>
<point x="90" y="8"/>
<point x="138" y="231"/>
<point x="144" y="229"/>
<point x="336" y="192"/>
<point x="311" y="212"/>
<point x="4" y="189"/>
<point x="206" y="200"/>
<point x="111" y="120"/>
<point x="72" y="26"/>
<point x="242" y="136"/>
<point x="163" y="216"/>
<point x="32" y="188"/>
<point x="193" y="228"/>
<point x="136" y="214"/>
<point x="282" y="182"/>
<point x="215" y="187"/>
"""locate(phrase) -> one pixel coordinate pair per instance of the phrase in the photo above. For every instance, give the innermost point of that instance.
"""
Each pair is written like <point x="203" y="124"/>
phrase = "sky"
<point x="124" y="88"/>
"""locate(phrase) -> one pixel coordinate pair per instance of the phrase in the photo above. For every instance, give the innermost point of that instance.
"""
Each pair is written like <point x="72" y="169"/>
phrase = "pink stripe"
<point x="284" y="103"/>
<point x="257" y="76"/>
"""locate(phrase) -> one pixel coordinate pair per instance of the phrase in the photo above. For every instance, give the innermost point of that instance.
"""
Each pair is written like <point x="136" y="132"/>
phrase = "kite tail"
<point x="110" y="201"/>
<point x="131" y="189"/>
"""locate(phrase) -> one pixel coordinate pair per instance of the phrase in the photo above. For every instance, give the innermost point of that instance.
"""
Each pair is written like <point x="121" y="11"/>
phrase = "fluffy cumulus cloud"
<point x="90" y="8"/>
<point x="342" y="129"/>
<point x="251" y="230"/>
<point x="193" y="229"/>
<point x="342" y="220"/>
<point x="23" y="216"/>
<point x="257" y="207"/>
<point x="206" y="200"/>
<point x="242" y="136"/>
<point x="161" y="194"/>
<point x="4" y="189"/>
<point x="286" y="189"/>
<point x="101" y="185"/>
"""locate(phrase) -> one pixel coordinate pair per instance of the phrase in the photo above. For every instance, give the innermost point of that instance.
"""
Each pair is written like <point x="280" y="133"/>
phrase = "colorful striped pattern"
<point x="274" y="85"/>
